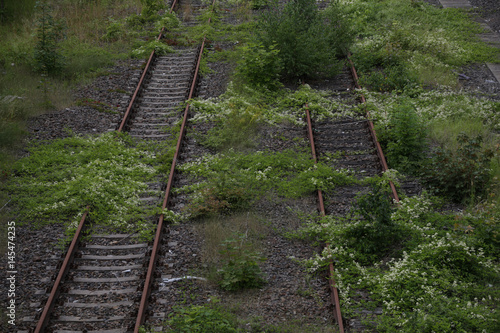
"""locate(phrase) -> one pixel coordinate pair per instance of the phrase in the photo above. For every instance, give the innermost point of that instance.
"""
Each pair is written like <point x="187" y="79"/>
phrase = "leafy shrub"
<point x="168" y="21"/>
<point x="308" y="41"/>
<point x="375" y="234"/>
<point x="259" y="67"/>
<point x="462" y="174"/>
<point x="403" y="139"/>
<point x="49" y="33"/>
<point x="240" y="266"/>
<point x="201" y="319"/>
<point x="151" y="7"/>
<point x="113" y="31"/>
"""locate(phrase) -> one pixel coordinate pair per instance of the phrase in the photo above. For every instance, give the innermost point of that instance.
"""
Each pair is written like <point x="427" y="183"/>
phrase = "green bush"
<point x="403" y="140"/>
<point x="201" y="319"/>
<point x="151" y="7"/>
<point x="240" y="268"/>
<point x="308" y="40"/>
<point x="259" y="67"/>
<point x="461" y="175"/>
<point x="113" y="31"/>
<point x="145" y="50"/>
<point x="375" y="234"/>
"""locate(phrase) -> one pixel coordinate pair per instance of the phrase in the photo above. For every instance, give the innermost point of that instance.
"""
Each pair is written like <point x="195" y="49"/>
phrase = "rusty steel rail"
<point x="68" y="259"/>
<point x="321" y="206"/>
<point x="126" y="116"/>
<point x="380" y="153"/>
<point x="334" y="291"/>
<point x="56" y="288"/>
<point x="141" y="316"/>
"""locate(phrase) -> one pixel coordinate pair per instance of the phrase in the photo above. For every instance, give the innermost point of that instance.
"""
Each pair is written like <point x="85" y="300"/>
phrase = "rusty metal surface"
<point x="56" y="288"/>
<point x="159" y="230"/>
<point x="126" y="116"/>
<point x="380" y="153"/>
<point x="334" y="292"/>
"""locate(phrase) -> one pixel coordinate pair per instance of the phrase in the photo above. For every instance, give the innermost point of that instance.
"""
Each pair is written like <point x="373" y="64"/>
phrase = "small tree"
<point x="49" y="32"/>
<point x="404" y="139"/>
<point x="308" y="40"/>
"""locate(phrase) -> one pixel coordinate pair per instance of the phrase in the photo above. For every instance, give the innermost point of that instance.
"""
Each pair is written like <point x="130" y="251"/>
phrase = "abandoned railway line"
<point x="114" y="282"/>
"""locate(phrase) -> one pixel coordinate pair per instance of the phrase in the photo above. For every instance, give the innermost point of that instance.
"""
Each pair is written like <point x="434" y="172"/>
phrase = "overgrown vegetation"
<point x="201" y="318"/>
<point x="240" y="267"/>
<point x="409" y="43"/>
<point x="404" y="138"/>
<point x="233" y="180"/>
<point x="428" y="270"/>
<point x="309" y="41"/>
<point x="445" y="267"/>
<point x="461" y="175"/>
<point x="58" y="180"/>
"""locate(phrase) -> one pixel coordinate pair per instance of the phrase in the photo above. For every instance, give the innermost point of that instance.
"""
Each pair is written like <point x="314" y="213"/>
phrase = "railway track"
<point x="355" y="142"/>
<point x="107" y="282"/>
<point x="103" y="284"/>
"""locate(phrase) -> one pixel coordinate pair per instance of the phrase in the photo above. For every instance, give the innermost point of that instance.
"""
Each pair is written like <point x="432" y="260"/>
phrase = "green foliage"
<point x="233" y="180"/>
<point x="308" y="40"/>
<point x="440" y="278"/>
<point x="145" y="50"/>
<point x="403" y="140"/>
<point x="436" y="106"/>
<point x="15" y="11"/>
<point x="462" y="175"/>
<point x="283" y="106"/>
<point x="49" y="32"/>
<point x="58" y="180"/>
<point x="402" y="44"/>
<point x="169" y="21"/>
<point x="259" y="67"/>
<point x="113" y="31"/>
<point x="151" y="7"/>
<point x="201" y="319"/>
<point x="374" y="235"/>
<point x="259" y="4"/>
<point x="240" y="268"/>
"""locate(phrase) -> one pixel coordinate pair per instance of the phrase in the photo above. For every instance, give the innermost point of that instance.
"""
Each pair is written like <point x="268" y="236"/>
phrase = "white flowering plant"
<point x="412" y="44"/>
<point x="284" y="106"/>
<point x="439" y="276"/>
<point x="56" y="181"/>
<point x="233" y="180"/>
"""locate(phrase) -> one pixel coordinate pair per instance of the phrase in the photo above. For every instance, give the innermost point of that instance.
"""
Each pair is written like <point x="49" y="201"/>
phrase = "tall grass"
<point x="15" y="10"/>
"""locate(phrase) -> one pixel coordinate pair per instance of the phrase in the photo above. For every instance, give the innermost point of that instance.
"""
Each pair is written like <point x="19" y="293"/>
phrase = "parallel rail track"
<point x="361" y="153"/>
<point x="93" y="301"/>
<point x="98" y="286"/>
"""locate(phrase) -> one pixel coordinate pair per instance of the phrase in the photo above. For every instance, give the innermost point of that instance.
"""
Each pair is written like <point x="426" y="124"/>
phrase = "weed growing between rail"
<point x="267" y="107"/>
<point x="234" y="180"/>
<point x="442" y="278"/>
<point x="58" y="180"/>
